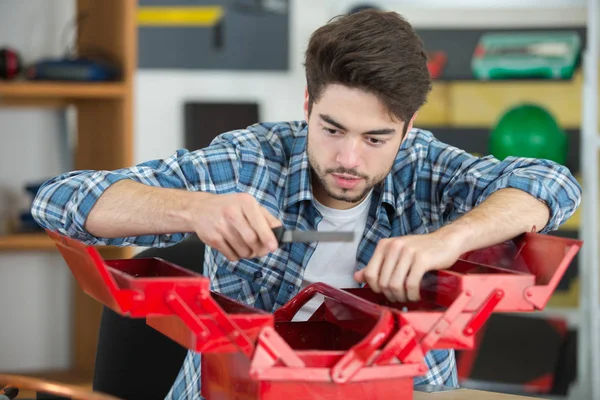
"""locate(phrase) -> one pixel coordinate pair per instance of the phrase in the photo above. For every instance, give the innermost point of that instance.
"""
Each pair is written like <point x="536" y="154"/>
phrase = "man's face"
<point x="352" y="144"/>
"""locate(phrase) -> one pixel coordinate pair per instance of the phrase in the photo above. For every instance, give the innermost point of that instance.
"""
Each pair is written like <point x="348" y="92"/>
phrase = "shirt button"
<point x="290" y="288"/>
<point x="258" y="275"/>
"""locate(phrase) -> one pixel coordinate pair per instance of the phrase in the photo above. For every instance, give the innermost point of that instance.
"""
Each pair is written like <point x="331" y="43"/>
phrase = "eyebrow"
<point x="331" y="121"/>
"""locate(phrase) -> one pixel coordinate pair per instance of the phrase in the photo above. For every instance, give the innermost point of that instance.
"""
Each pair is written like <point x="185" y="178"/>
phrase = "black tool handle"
<point x="278" y="231"/>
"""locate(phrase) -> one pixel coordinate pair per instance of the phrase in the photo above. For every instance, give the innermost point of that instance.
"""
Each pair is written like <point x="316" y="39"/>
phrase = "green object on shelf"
<point x="547" y="55"/>
<point x="529" y="130"/>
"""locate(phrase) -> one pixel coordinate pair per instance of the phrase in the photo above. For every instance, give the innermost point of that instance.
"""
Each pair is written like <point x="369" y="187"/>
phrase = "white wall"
<point x="34" y="288"/>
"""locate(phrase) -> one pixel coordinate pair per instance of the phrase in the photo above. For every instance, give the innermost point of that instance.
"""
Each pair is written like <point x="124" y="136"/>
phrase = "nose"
<point x="348" y="153"/>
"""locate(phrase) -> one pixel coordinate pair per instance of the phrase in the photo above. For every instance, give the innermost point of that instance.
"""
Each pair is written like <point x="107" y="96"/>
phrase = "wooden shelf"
<point x="71" y="377"/>
<point x="478" y="104"/>
<point x="88" y="90"/>
<point x="41" y="242"/>
<point x="26" y="241"/>
<point x="82" y="380"/>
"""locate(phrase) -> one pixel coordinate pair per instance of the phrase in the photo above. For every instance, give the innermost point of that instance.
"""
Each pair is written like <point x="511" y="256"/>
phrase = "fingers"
<point x="252" y="224"/>
<point x="217" y="240"/>
<point x="259" y="237"/>
<point x="387" y="270"/>
<point x="413" y="281"/>
<point x="393" y="271"/>
<point x="359" y="276"/>
<point x="371" y="271"/>
<point x="269" y="236"/>
<point x="234" y="232"/>
<point x="248" y="235"/>
<point x="237" y="225"/>
<point x="227" y="250"/>
<point x="398" y="279"/>
<point x="272" y="221"/>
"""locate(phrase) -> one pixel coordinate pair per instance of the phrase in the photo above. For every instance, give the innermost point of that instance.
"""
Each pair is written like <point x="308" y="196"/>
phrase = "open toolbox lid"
<point x="152" y="288"/>
<point x="524" y="271"/>
<point x="518" y="275"/>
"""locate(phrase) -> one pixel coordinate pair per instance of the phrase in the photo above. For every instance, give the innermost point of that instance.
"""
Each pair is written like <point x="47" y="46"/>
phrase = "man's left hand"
<point x="398" y="264"/>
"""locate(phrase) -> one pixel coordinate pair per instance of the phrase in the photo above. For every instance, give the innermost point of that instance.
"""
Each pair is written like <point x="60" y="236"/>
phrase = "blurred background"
<point x="106" y="84"/>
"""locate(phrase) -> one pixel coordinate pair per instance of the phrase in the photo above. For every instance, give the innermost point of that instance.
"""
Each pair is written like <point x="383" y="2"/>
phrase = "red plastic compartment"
<point x="330" y="354"/>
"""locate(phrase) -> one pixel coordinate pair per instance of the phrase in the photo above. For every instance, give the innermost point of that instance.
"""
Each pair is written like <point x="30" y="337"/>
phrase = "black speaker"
<point x="204" y="121"/>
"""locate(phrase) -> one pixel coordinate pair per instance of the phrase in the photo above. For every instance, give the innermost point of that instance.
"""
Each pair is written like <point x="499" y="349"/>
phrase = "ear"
<point x="411" y="122"/>
<point x="410" y="125"/>
<point x="306" y="103"/>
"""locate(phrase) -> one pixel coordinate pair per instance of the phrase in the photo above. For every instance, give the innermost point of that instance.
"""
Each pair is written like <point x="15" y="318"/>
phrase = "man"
<point x="356" y="163"/>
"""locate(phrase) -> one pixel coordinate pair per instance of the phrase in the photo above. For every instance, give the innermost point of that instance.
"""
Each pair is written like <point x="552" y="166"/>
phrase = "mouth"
<point x="346" y="181"/>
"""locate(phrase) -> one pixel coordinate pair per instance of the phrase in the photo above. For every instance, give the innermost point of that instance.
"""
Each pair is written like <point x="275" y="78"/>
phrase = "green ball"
<point x="529" y="130"/>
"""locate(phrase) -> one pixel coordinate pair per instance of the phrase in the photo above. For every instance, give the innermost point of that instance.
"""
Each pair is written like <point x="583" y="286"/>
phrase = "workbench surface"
<point x="467" y="394"/>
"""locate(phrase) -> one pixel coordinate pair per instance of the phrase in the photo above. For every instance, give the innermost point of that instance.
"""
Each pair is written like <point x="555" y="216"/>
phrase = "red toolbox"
<point x="357" y="345"/>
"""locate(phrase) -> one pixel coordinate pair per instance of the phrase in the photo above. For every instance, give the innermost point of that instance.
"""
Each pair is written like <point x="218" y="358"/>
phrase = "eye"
<point x="375" y="142"/>
<point x="330" y="131"/>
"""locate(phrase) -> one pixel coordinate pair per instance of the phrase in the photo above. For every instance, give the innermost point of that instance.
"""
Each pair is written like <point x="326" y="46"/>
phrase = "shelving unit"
<point x="462" y="110"/>
<point x="104" y="141"/>
<point x="472" y="104"/>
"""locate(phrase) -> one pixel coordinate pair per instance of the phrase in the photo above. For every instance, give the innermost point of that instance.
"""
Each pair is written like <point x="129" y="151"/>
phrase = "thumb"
<point x="273" y="222"/>
<point x="359" y="276"/>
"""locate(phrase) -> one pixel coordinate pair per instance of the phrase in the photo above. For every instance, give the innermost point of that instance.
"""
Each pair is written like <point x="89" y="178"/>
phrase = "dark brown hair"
<point x="372" y="50"/>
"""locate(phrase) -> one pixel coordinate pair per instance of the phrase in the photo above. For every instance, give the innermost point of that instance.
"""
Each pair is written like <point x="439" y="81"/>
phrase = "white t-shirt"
<point x="334" y="263"/>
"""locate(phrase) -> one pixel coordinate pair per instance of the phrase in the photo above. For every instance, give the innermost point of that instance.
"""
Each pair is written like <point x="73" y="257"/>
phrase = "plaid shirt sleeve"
<point x="452" y="181"/>
<point x="63" y="203"/>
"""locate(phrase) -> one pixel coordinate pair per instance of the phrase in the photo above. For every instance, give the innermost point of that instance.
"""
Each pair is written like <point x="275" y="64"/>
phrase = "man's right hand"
<point x="235" y="224"/>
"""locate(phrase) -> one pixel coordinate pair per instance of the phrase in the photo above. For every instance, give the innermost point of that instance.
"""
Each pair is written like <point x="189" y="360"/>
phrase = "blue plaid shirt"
<point x="430" y="184"/>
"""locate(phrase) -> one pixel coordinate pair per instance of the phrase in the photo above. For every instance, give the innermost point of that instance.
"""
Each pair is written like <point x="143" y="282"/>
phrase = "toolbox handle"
<point x="362" y="353"/>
